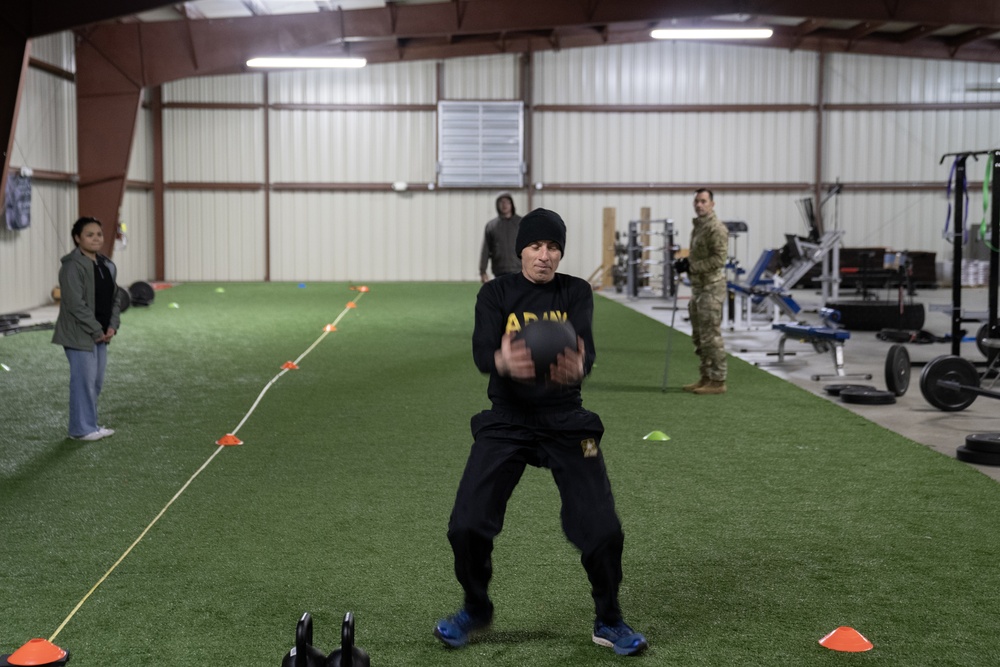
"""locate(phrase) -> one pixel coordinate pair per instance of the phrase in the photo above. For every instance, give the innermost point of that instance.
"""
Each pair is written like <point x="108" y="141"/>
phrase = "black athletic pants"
<point x="566" y="443"/>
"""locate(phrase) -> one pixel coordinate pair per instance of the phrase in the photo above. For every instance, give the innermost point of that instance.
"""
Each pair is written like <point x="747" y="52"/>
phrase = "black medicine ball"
<point x="546" y="339"/>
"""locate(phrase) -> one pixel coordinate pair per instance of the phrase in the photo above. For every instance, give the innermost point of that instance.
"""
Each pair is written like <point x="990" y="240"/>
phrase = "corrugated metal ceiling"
<point x="959" y="29"/>
<point x="386" y="30"/>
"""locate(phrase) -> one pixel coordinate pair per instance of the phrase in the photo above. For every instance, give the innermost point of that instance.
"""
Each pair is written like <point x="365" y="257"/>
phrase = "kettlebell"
<point x="304" y="654"/>
<point x="348" y="655"/>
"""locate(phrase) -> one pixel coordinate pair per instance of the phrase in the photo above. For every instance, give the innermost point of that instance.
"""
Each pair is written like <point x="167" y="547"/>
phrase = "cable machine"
<point x="959" y="173"/>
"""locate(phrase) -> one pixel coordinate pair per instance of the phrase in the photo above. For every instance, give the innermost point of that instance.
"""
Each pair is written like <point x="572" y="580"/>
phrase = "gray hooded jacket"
<point x="498" y="241"/>
<point x="77" y="326"/>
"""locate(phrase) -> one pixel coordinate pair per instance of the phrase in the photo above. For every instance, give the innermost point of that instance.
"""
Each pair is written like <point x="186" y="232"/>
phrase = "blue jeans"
<point x="86" y="376"/>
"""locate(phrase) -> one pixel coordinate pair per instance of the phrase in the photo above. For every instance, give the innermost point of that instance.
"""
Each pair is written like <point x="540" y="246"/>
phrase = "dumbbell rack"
<point x="650" y="267"/>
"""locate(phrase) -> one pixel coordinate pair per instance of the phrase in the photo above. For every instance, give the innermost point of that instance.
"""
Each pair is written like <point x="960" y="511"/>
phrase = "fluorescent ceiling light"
<point x="296" y="63"/>
<point x="712" y="33"/>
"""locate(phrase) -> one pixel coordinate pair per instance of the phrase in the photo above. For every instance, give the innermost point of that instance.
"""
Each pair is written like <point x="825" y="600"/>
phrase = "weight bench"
<point x="757" y="286"/>
<point x="822" y="339"/>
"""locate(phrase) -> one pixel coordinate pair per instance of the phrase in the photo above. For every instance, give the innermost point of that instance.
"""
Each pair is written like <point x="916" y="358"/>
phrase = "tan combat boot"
<point x="696" y="385"/>
<point x="711" y="387"/>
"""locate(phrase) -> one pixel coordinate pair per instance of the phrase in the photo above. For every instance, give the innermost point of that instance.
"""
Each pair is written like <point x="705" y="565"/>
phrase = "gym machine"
<point x="650" y="267"/>
<point x="950" y="382"/>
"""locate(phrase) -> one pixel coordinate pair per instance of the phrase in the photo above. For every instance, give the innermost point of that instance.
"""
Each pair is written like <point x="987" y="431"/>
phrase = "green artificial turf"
<point x="770" y="517"/>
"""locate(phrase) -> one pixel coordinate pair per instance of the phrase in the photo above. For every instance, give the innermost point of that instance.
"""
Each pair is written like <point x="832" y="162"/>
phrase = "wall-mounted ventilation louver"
<point x="480" y="144"/>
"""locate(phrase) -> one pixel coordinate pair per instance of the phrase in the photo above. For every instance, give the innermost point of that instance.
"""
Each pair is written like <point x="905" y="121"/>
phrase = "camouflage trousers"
<point x="705" y="310"/>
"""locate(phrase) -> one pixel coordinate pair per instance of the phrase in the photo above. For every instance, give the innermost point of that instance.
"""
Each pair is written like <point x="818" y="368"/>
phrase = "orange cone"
<point x="37" y="652"/>
<point x="228" y="440"/>
<point x="329" y="327"/>
<point x="846" y="639"/>
<point x="351" y="304"/>
<point x="290" y="365"/>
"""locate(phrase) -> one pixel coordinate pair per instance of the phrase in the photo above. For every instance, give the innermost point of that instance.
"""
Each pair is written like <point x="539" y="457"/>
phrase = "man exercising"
<point x="542" y="424"/>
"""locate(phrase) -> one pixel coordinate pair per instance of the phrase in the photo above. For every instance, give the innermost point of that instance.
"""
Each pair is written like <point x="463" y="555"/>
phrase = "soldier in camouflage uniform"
<point x="705" y="266"/>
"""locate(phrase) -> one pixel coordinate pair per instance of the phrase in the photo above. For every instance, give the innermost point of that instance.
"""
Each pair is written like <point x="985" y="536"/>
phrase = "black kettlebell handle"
<point x="303" y="639"/>
<point x="347" y="641"/>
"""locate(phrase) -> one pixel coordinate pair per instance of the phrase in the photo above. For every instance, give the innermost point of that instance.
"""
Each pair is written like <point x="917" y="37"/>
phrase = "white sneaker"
<point x="105" y="432"/>
<point x="96" y="435"/>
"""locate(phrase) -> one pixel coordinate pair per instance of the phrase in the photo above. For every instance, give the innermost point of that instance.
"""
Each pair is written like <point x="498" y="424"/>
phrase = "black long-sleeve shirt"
<point x="504" y="305"/>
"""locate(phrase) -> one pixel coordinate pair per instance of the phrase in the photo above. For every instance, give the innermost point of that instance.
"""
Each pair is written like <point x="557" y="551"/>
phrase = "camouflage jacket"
<point x="709" y="251"/>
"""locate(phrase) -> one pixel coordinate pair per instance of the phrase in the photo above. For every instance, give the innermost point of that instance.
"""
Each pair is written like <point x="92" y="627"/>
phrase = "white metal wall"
<point x="483" y="78"/>
<point x="214" y="236"/>
<point x="434" y="235"/>
<point x="903" y="145"/>
<point x="352" y="147"/>
<point x="413" y="235"/>
<point x="868" y="79"/>
<point x="576" y="147"/>
<point x="674" y="73"/>
<point x="404" y="83"/>
<point x="55" y="49"/>
<point x="29" y="258"/>
<point x="211" y="145"/>
<point x="137" y="259"/>
<point x="731" y="146"/>
<point x="247" y="89"/>
<point x="44" y="139"/>
<point x="140" y="166"/>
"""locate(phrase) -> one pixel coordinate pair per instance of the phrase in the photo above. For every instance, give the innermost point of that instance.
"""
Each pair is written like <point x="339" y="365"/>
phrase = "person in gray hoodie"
<point x="498" y="240"/>
<point x="89" y="317"/>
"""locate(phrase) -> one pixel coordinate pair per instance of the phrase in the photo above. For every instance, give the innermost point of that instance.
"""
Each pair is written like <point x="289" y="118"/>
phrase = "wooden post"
<point x="608" y="257"/>
<point x="600" y="277"/>
<point x="644" y="239"/>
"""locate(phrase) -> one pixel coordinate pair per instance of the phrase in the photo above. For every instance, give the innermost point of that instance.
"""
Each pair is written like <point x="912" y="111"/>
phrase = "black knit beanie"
<point x="541" y="225"/>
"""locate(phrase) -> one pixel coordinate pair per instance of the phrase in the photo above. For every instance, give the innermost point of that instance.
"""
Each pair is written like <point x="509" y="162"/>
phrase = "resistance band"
<point x="965" y="191"/>
<point x="327" y="330"/>
<point x="987" y="187"/>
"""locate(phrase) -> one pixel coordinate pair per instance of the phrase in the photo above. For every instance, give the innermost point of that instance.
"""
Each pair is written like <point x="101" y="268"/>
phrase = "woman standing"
<point x="88" y="320"/>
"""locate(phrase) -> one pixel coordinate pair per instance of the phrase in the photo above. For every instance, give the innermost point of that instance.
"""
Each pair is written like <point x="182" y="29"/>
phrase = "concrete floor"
<point x="911" y="416"/>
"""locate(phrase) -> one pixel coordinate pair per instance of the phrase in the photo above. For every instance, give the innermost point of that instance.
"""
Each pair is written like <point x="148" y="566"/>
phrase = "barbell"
<point x="951" y="383"/>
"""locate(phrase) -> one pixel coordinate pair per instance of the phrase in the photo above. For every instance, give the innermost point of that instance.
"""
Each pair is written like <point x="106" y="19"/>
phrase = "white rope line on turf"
<point x="296" y="362"/>
<point x="254" y="406"/>
<point x="204" y="465"/>
<point x="333" y="324"/>
<point x="133" y="545"/>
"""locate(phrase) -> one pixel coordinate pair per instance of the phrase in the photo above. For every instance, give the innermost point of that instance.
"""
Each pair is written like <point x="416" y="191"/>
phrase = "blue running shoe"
<point x="619" y="636"/>
<point x="455" y="630"/>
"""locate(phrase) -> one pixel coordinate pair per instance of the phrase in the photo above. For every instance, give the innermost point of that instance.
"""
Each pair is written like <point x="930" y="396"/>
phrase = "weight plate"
<point x="835" y="389"/>
<point x="972" y="456"/>
<point x="867" y="396"/>
<point x="983" y="442"/>
<point x="950" y="368"/>
<point x="987" y="350"/>
<point x="981" y="336"/>
<point x="124" y="299"/>
<point x="897" y="370"/>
